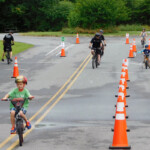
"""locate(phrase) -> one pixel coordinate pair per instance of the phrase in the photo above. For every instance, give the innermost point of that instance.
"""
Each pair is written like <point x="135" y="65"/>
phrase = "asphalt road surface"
<point x="74" y="104"/>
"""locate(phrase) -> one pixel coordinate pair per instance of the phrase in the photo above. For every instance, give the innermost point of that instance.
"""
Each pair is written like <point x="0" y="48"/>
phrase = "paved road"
<point x="80" y="117"/>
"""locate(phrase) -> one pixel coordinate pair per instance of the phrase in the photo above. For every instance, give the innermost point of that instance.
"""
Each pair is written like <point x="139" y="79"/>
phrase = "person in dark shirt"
<point x="95" y="46"/>
<point x="103" y="40"/>
<point x="8" y="40"/>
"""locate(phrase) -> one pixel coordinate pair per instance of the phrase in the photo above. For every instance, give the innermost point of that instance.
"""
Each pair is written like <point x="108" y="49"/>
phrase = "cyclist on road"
<point x="143" y="35"/>
<point x="103" y="40"/>
<point x="96" y="45"/>
<point x="19" y="92"/>
<point x="8" y="40"/>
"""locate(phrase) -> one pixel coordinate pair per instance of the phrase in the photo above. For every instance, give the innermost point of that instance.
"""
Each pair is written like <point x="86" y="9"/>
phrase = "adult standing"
<point x="8" y="40"/>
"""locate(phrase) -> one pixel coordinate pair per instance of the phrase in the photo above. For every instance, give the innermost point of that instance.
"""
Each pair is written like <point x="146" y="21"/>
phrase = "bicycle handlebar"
<point x="16" y="99"/>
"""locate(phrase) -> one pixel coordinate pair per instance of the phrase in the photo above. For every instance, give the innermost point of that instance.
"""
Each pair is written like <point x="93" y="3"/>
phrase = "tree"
<point x="96" y="13"/>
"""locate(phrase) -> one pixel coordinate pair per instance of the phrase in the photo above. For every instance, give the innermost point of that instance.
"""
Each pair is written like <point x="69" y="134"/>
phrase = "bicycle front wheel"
<point x="93" y="62"/>
<point x="20" y="134"/>
<point x="146" y="64"/>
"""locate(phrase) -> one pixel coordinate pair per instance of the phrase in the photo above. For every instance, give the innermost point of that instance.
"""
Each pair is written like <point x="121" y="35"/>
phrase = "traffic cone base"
<point x="120" y="147"/>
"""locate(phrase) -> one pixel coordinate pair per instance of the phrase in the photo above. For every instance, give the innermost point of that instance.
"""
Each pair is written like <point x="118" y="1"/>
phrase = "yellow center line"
<point x="43" y="107"/>
<point x="51" y="107"/>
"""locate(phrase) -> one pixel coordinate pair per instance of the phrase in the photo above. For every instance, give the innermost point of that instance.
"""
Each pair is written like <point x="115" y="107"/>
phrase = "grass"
<point x="17" y="48"/>
<point x="59" y="34"/>
<point x="121" y="30"/>
<point x="56" y="34"/>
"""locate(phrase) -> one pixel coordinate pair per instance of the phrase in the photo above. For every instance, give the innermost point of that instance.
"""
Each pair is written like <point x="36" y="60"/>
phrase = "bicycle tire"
<point x="20" y="134"/>
<point x="19" y="126"/>
<point x="96" y="63"/>
<point x="93" y="62"/>
<point x="146" y="64"/>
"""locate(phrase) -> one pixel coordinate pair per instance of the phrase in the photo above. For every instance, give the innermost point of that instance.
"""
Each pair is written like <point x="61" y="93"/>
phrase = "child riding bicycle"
<point x="19" y="92"/>
<point x="143" y="35"/>
<point x="146" y="52"/>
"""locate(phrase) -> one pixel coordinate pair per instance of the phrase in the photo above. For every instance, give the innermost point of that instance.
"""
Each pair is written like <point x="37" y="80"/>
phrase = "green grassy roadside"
<point x="17" y="48"/>
<point x="59" y="34"/>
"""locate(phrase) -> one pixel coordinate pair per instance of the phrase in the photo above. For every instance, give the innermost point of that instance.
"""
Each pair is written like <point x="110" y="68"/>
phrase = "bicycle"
<point x="20" y="128"/>
<point x="95" y="58"/>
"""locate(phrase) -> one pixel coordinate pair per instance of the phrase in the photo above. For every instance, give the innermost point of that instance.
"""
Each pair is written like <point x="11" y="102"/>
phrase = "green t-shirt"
<point x="15" y="93"/>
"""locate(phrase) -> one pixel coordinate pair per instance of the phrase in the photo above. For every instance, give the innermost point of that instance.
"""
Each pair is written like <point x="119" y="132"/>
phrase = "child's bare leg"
<point x="12" y="118"/>
<point x="23" y="116"/>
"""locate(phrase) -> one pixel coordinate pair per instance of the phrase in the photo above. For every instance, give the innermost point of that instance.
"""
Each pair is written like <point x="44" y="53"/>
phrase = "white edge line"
<point x="65" y="49"/>
<point x="53" y="50"/>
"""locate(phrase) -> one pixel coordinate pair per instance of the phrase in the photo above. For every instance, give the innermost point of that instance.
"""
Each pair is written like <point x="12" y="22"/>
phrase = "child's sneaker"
<point x="13" y="130"/>
<point x="28" y="125"/>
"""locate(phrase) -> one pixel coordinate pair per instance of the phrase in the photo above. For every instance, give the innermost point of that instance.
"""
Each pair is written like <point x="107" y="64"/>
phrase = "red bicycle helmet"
<point x="22" y="79"/>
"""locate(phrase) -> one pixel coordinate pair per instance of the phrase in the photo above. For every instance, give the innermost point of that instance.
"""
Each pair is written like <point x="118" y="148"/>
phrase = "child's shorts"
<point x="22" y="109"/>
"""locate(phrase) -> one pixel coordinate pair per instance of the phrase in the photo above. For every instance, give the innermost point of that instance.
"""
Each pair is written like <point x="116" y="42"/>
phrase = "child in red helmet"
<point x="19" y="92"/>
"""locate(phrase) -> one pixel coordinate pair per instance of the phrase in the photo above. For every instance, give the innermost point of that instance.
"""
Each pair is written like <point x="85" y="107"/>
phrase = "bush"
<point x="92" y="14"/>
<point x="69" y="30"/>
<point x="132" y="27"/>
<point x="88" y="31"/>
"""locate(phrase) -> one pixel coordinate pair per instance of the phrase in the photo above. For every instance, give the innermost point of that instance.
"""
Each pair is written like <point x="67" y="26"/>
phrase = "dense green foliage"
<point x="53" y="15"/>
<point x="96" y="13"/>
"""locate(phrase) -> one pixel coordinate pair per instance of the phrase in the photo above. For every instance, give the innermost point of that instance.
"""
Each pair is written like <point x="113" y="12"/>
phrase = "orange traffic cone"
<point x="127" y="38"/>
<point x="120" y="140"/>
<point x="62" y="52"/>
<point x="125" y="63"/>
<point x="125" y="69"/>
<point x="16" y="70"/>
<point x="122" y="89"/>
<point x="134" y="46"/>
<point x="121" y="94"/>
<point x="123" y="82"/>
<point x="63" y="49"/>
<point x="131" y="52"/>
<point x="149" y="44"/>
<point x="121" y="104"/>
<point x="77" y="39"/>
